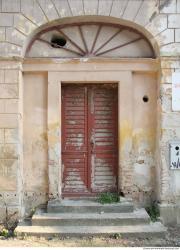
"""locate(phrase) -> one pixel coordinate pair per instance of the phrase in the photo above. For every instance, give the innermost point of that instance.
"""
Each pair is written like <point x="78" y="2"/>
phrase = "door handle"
<point x="92" y="142"/>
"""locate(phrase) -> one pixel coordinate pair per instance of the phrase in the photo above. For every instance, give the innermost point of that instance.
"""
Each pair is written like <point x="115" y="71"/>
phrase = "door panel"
<point x="74" y="139"/>
<point x="103" y="138"/>
<point x="89" y="138"/>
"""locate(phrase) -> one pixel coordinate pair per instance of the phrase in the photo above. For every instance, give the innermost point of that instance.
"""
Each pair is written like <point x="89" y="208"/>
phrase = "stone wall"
<point x="159" y="20"/>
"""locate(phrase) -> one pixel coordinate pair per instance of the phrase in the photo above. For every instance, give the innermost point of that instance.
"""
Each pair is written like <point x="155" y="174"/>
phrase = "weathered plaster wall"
<point x="19" y="20"/>
<point x="35" y="139"/>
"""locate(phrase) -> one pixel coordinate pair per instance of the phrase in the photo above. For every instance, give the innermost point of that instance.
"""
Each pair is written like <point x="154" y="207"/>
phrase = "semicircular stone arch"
<point x="144" y="16"/>
<point x="89" y="39"/>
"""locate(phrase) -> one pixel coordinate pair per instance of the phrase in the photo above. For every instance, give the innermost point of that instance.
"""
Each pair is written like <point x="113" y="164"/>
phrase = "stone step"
<point x="86" y="206"/>
<point x="139" y="216"/>
<point x="139" y="231"/>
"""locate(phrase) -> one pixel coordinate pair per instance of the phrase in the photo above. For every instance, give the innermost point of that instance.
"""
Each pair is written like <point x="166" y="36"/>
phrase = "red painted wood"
<point x="89" y="139"/>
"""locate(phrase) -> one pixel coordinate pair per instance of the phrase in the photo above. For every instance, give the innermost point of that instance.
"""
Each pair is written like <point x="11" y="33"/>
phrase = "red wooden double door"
<point x="89" y="138"/>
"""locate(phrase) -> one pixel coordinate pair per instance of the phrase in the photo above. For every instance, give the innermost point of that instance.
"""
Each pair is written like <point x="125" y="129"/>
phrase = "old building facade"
<point x="86" y="101"/>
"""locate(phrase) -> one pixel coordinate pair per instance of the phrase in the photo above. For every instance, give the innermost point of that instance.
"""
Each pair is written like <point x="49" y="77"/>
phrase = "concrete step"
<point x="140" y="231"/>
<point x="86" y="206"/>
<point x="137" y="217"/>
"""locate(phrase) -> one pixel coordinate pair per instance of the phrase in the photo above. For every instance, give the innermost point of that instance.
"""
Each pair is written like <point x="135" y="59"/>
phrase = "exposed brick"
<point x="8" y="121"/>
<point x="10" y="5"/>
<point x="177" y="35"/>
<point x="174" y="21"/>
<point x="11" y="135"/>
<point x="6" y="19"/>
<point x="8" y="91"/>
<point x="11" y="76"/>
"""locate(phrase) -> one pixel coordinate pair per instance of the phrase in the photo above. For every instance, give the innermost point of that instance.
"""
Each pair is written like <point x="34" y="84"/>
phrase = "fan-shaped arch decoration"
<point x="90" y="40"/>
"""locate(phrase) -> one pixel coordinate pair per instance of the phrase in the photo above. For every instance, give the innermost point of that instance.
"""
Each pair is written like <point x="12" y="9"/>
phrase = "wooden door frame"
<point x="92" y="71"/>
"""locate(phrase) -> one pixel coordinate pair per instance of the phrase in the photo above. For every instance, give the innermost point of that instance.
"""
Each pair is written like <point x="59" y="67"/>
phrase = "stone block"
<point x="174" y="21"/>
<point x="166" y="75"/>
<point x="8" y="151"/>
<point x="10" y="6"/>
<point x="14" y="36"/>
<point x="91" y="7"/>
<point x="147" y="10"/>
<point x="32" y="10"/>
<point x="11" y="151"/>
<point x="168" y="213"/>
<point x="178" y="6"/>
<point x="11" y="106"/>
<point x="6" y="19"/>
<point x="172" y="49"/>
<point x="2" y="76"/>
<point x="24" y="25"/>
<point x="49" y="9"/>
<point x="62" y="7"/>
<point x="1" y="151"/>
<point x="9" y="50"/>
<point x="8" y="91"/>
<point x="177" y="35"/>
<point x="167" y="6"/>
<point x="1" y="135"/>
<point x="11" y="198"/>
<point x="118" y="8"/>
<point x="76" y="7"/>
<point x="131" y="9"/>
<point x="8" y="173"/>
<point x="170" y="120"/>
<point x="158" y="24"/>
<point x="2" y="106"/>
<point x="2" y="34"/>
<point x="11" y="135"/>
<point x="165" y="37"/>
<point x="11" y="76"/>
<point x="104" y="7"/>
<point x="170" y="63"/>
<point x="8" y="121"/>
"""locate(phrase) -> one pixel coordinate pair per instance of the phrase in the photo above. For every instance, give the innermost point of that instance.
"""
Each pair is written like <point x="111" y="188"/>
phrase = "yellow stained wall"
<point x="35" y="139"/>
